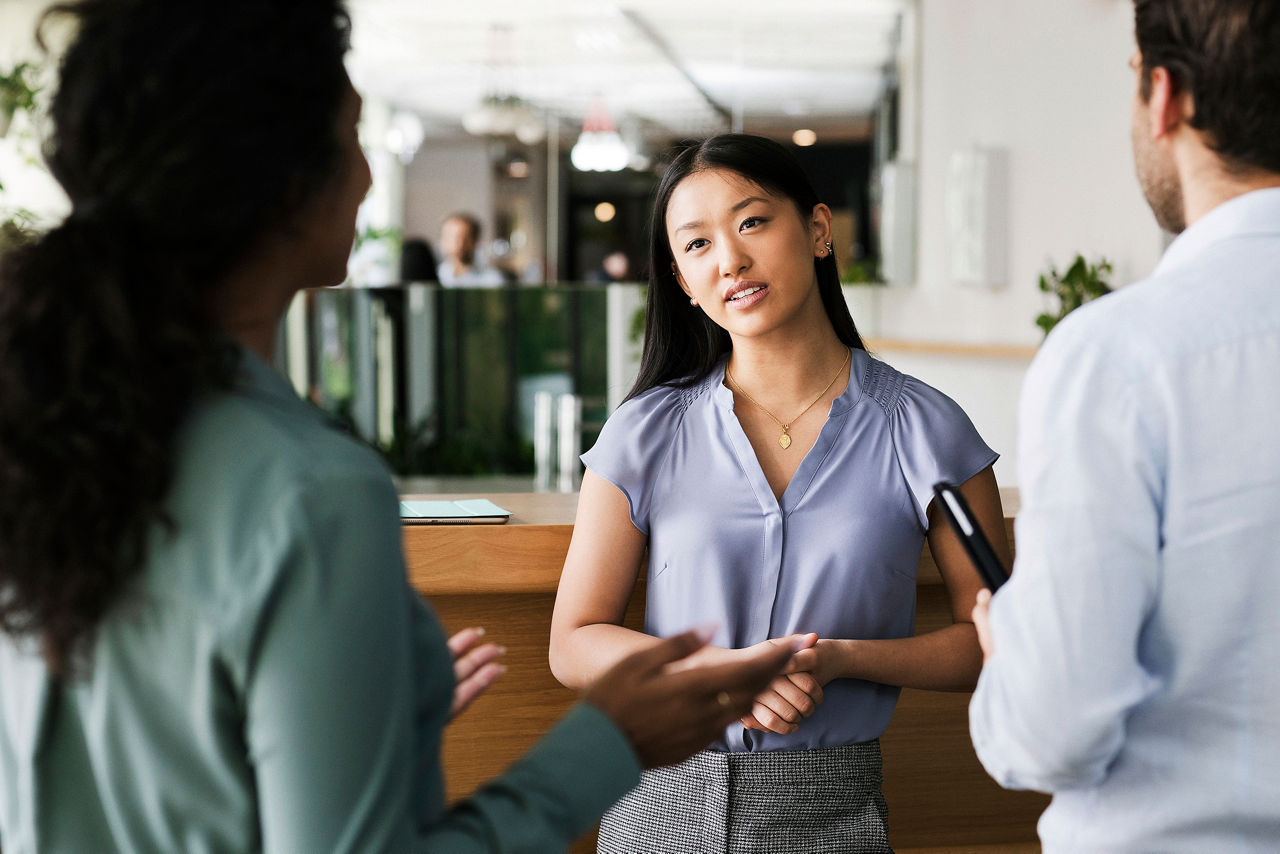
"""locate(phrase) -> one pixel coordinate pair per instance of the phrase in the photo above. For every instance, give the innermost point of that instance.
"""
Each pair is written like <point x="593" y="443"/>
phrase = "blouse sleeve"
<point x="934" y="440"/>
<point x="634" y="444"/>
<point x="325" y="660"/>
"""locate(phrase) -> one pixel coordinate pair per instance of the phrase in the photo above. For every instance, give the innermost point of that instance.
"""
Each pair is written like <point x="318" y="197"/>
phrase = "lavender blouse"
<point x="837" y="555"/>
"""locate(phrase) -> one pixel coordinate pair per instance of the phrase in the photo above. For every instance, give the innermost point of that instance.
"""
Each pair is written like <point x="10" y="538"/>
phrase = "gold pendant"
<point x="785" y="441"/>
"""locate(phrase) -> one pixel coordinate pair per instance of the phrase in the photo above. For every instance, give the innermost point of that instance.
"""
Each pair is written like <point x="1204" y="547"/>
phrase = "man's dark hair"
<point x="473" y="224"/>
<point x="1226" y="53"/>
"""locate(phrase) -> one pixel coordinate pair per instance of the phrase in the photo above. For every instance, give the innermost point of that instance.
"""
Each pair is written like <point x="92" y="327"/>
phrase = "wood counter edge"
<point x="526" y="554"/>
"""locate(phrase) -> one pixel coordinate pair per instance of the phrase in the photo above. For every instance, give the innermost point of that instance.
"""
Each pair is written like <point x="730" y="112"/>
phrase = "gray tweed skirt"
<point x="824" y="801"/>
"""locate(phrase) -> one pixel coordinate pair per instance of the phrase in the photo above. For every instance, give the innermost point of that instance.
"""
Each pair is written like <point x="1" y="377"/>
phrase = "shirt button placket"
<point x="770" y="573"/>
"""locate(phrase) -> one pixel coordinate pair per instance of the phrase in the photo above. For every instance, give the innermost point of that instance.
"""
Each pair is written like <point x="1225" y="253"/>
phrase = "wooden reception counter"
<point x="504" y="577"/>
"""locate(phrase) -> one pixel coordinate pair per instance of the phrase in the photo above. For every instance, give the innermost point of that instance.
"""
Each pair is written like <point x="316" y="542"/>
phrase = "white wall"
<point x="1048" y="82"/>
<point x="447" y="176"/>
<point x="17" y="23"/>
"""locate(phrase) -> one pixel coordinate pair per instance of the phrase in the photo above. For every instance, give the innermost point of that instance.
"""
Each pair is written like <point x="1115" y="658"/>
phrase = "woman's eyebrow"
<point x="697" y="223"/>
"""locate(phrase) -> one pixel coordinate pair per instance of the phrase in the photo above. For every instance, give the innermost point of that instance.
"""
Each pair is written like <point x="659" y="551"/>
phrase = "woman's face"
<point x="746" y="255"/>
<point x="330" y="226"/>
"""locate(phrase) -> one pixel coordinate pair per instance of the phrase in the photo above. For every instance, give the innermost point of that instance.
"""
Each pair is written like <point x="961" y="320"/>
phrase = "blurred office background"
<point x="964" y="147"/>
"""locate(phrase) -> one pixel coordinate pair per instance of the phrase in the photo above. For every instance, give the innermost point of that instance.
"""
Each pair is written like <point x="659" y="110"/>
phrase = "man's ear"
<point x="1167" y="108"/>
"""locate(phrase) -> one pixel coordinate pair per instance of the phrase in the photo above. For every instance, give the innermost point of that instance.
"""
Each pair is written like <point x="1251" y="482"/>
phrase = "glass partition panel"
<point x="466" y="381"/>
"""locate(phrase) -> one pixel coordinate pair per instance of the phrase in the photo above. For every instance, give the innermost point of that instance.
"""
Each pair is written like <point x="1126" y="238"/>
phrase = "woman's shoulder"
<point x="282" y="435"/>
<point x="933" y="438"/>
<point x="669" y="402"/>
<point x="269" y="449"/>
<point x="639" y="434"/>
<point x="904" y="399"/>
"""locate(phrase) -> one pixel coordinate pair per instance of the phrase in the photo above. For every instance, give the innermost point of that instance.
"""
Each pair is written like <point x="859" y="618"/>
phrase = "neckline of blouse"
<point x="859" y="362"/>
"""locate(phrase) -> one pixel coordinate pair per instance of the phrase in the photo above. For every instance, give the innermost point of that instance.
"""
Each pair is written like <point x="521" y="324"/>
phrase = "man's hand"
<point x="474" y="668"/>
<point x="669" y="714"/>
<point x="982" y="622"/>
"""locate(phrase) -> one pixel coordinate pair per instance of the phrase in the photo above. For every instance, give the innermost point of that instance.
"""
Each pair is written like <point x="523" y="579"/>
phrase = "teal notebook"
<point x="469" y="511"/>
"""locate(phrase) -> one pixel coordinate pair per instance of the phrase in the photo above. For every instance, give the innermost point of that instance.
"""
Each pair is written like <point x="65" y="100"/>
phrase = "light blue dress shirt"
<point x="837" y="555"/>
<point x="271" y="683"/>
<point x="1137" y="665"/>
<point x="476" y="276"/>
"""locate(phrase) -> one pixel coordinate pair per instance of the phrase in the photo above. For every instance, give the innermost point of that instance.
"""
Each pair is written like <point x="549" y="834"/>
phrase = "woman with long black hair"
<point x="207" y="639"/>
<point x="779" y="479"/>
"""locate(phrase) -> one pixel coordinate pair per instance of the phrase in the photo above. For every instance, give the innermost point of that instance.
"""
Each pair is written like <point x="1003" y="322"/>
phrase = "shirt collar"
<point x="258" y="379"/>
<point x="1255" y="212"/>
<point x="257" y="375"/>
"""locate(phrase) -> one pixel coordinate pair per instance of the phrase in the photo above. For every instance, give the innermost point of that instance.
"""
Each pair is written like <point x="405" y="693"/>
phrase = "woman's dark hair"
<point x="681" y="344"/>
<point x="418" y="261"/>
<point x="183" y="131"/>
<point x="1226" y="53"/>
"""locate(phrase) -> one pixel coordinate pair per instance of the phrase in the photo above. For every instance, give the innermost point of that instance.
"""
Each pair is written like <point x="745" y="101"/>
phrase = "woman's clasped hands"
<point x="795" y="694"/>
<point x="791" y="696"/>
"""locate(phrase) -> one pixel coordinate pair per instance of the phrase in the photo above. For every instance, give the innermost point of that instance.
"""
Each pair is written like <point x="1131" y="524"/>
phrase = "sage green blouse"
<point x="271" y="683"/>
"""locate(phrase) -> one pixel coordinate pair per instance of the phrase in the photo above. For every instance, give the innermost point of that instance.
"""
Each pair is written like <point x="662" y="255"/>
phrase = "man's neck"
<point x="1208" y="183"/>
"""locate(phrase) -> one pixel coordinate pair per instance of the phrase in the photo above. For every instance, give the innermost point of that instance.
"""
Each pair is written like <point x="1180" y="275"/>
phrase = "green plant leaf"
<point x="1080" y="283"/>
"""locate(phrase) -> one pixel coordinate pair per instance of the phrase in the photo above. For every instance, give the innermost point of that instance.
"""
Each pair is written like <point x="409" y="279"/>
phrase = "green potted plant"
<point x="15" y="226"/>
<point x="1080" y="283"/>
<point x="865" y="271"/>
<point x="17" y="92"/>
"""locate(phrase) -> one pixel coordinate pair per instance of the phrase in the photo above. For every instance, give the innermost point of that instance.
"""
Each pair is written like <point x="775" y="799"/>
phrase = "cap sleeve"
<point x="634" y="444"/>
<point x="934" y="440"/>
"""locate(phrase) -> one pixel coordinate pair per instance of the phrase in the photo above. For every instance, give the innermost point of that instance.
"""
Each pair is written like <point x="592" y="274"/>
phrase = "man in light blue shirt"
<point x="1133" y="661"/>
<point x="459" y="236"/>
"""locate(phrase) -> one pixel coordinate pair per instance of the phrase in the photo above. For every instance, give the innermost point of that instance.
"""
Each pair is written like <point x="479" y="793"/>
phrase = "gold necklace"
<point x="785" y="439"/>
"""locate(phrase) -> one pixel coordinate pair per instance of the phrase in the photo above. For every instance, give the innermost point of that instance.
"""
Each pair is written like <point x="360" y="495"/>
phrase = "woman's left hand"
<point x="788" y="700"/>
<point x="474" y="667"/>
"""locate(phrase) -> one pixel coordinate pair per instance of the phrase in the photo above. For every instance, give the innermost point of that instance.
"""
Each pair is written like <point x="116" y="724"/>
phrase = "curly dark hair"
<point x="682" y="346"/>
<point x="183" y="131"/>
<point x="1226" y="53"/>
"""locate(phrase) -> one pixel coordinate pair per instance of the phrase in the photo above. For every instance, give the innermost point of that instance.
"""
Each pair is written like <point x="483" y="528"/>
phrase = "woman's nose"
<point x="732" y="260"/>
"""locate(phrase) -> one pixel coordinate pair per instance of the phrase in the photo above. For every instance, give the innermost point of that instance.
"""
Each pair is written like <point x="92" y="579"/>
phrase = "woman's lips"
<point x="746" y="294"/>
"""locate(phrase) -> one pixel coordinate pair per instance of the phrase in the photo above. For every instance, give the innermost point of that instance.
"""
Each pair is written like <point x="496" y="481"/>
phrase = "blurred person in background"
<point x="418" y="261"/>
<point x="614" y="267"/>
<point x="459" y="240"/>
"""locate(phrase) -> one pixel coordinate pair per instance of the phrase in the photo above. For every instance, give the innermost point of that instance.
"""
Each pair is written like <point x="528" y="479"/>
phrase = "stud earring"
<point x="828" y="252"/>
<point x="692" y="301"/>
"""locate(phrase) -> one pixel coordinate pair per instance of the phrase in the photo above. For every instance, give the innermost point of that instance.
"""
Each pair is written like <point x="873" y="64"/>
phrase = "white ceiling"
<point x="778" y="64"/>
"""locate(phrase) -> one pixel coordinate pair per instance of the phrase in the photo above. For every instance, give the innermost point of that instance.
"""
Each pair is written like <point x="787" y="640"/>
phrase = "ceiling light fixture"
<point x="404" y="135"/>
<point x="600" y="147"/>
<point x="804" y="137"/>
<point x="501" y="112"/>
<point x="503" y="115"/>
